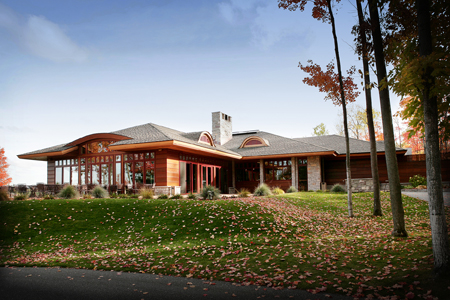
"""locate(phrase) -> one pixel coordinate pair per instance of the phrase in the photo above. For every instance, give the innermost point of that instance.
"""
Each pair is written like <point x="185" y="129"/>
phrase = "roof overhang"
<point x="275" y="156"/>
<point x="381" y="153"/>
<point x="45" y="155"/>
<point x="174" y="145"/>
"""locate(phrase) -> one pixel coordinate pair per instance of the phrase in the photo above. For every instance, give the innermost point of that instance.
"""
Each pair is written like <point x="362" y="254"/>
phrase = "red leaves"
<point x="328" y="82"/>
<point x="4" y="177"/>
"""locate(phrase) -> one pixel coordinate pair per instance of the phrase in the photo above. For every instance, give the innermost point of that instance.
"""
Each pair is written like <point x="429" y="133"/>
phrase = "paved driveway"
<point x="424" y="196"/>
<point x="76" y="284"/>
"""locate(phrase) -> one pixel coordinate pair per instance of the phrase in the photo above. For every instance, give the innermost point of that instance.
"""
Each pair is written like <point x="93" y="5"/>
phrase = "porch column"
<point x="233" y="174"/>
<point x="261" y="171"/>
<point x="314" y="172"/>
<point x="294" y="172"/>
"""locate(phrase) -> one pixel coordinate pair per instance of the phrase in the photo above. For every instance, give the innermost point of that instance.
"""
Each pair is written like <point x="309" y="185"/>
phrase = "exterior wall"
<point x="50" y="172"/>
<point x="314" y="172"/>
<point x="360" y="167"/>
<point x="167" y="171"/>
<point x="222" y="130"/>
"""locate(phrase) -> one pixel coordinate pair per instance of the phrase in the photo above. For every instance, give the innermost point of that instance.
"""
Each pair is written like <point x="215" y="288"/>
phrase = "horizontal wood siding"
<point x="50" y="172"/>
<point x="167" y="168"/>
<point x="360" y="168"/>
<point x="173" y="169"/>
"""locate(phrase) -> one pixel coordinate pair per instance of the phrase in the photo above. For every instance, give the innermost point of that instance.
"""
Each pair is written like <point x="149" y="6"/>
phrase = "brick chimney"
<point x="221" y="128"/>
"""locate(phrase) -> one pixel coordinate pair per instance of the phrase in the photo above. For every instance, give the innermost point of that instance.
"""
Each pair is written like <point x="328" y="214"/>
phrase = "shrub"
<point x="163" y="196"/>
<point x="277" y="191"/>
<point x="337" y="188"/>
<point x="177" y="196"/>
<point x="99" y="192"/>
<point x="320" y="191"/>
<point x="122" y="196"/>
<point x="407" y="187"/>
<point x="3" y="195"/>
<point x="209" y="192"/>
<point x="192" y="196"/>
<point x="262" y="190"/>
<point x="292" y="189"/>
<point x="417" y="180"/>
<point x="244" y="193"/>
<point x="21" y="196"/>
<point x="69" y="192"/>
<point x="146" y="193"/>
<point x="113" y="196"/>
<point x="48" y="197"/>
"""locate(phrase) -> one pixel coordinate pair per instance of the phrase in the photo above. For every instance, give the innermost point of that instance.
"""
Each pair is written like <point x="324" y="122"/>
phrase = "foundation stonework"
<point x="314" y="172"/>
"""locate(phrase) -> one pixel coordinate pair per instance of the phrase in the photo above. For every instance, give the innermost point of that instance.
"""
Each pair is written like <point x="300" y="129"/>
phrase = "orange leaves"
<point x="328" y="82"/>
<point x="4" y="177"/>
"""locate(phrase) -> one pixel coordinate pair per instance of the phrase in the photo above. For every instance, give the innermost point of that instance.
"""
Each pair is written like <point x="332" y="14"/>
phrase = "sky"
<point x="76" y="67"/>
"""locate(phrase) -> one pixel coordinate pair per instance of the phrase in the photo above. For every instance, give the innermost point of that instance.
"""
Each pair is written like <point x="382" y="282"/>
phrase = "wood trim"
<point x="202" y="149"/>
<point x="99" y="136"/>
<point x="46" y="154"/>
<point x="264" y="143"/>
<point x="368" y="154"/>
<point x="289" y="155"/>
<point x="153" y="145"/>
<point x="209" y="137"/>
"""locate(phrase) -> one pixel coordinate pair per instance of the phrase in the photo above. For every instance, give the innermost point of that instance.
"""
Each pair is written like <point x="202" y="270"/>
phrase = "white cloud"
<point x="268" y="23"/>
<point x="41" y="37"/>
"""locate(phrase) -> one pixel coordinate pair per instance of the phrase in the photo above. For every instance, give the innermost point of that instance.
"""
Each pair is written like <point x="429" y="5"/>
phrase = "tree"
<point x="323" y="11"/>
<point x="4" y="177"/>
<point x="358" y="124"/>
<point x="440" y="242"/>
<point x="320" y="130"/>
<point x="369" y="113"/>
<point x="398" y="214"/>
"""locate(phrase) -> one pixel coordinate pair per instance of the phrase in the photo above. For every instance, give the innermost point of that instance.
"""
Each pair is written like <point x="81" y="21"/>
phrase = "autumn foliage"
<point x="4" y="177"/>
<point x="328" y="82"/>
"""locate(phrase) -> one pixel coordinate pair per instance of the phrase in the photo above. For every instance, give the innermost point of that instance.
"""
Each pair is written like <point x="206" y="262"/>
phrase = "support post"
<point x="294" y="172"/>
<point x="261" y="171"/>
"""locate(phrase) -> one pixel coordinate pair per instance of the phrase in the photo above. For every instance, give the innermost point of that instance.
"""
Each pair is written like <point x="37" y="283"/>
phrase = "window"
<point x="254" y="141"/>
<point x="277" y="170"/>
<point x="206" y="138"/>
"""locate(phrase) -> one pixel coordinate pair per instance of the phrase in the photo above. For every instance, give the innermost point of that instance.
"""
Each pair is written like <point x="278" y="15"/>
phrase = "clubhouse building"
<point x="159" y="157"/>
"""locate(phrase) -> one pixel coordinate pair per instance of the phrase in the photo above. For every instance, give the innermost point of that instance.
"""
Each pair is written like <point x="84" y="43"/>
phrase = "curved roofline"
<point x="209" y="136"/>
<point x="264" y="142"/>
<point x="96" y="136"/>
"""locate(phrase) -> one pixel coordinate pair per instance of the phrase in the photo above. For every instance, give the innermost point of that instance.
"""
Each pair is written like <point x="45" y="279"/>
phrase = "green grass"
<point x="297" y="240"/>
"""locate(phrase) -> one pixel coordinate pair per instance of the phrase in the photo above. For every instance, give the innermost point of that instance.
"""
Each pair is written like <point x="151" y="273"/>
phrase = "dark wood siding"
<point x="360" y="167"/>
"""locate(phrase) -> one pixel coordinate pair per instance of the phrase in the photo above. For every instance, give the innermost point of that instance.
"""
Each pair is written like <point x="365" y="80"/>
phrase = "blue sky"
<point x="72" y="68"/>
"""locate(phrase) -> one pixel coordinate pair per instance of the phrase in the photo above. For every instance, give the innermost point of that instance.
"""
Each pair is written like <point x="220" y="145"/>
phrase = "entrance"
<point x="194" y="177"/>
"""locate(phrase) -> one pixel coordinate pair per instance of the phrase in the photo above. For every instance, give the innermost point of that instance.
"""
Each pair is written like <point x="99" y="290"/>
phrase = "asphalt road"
<point x="59" y="283"/>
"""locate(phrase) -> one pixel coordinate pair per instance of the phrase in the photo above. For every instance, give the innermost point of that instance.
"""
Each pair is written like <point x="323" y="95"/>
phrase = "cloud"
<point x="41" y="37"/>
<point x="268" y="23"/>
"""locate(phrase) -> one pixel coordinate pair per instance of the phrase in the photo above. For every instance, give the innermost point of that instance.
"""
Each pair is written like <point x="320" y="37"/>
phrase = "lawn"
<point x="299" y="240"/>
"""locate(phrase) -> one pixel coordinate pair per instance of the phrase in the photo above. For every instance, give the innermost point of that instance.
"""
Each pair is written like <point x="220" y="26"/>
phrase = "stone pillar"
<point x="261" y="171"/>
<point x="222" y="129"/>
<point x="314" y="172"/>
<point x="294" y="172"/>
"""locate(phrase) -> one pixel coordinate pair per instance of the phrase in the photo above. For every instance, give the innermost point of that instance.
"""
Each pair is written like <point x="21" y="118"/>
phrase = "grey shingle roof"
<point x="278" y="145"/>
<point x="56" y="148"/>
<point x="337" y="143"/>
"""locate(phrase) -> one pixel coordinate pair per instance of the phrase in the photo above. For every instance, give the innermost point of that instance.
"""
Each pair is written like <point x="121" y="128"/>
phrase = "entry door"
<point x="183" y="177"/>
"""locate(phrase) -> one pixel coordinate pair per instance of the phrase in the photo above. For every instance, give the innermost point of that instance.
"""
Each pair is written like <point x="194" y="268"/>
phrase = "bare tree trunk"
<point x="441" y="251"/>
<point x="344" y="111"/>
<point x="398" y="214"/>
<point x="368" y="91"/>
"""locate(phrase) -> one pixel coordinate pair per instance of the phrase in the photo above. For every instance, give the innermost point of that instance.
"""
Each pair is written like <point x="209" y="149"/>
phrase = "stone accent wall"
<point x="314" y="172"/>
<point x="360" y="185"/>
<point x="222" y="130"/>
<point x="294" y="168"/>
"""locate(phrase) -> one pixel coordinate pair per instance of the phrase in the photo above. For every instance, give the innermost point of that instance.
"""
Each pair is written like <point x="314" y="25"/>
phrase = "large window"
<point x="248" y="171"/>
<point x="66" y="171"/>
<point x="277" y="170"/>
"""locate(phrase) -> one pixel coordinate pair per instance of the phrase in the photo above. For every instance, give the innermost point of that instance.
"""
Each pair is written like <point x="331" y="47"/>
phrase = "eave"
<point x="174" y="145"/>
<point x="289" y="155"/>
<point x="45" y="155"/>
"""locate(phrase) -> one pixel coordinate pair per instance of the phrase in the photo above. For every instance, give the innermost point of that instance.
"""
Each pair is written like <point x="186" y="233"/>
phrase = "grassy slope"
<point x="302" y="240"/>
